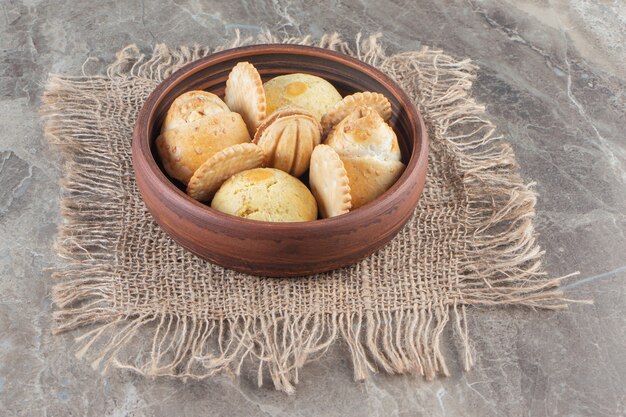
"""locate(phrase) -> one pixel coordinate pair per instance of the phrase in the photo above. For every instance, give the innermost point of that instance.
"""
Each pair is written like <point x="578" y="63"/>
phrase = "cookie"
<point x="364" y="133"/>
<point x="266" y="194"/>
<point x="183" y="150"/>
<point x="191" y="106"/>
<point x="221" y="166"/>
<point x="312" y="93"/>
<point x="329" y="182"/>
<point x="245" y="95"/>
<point x="287" y="138"/>
<point x="369" y="178"/>
<point x="348" y="104"/>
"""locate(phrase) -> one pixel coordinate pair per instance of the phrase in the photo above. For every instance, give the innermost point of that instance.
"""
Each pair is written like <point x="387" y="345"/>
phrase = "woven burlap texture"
<point x="147" y="304"/>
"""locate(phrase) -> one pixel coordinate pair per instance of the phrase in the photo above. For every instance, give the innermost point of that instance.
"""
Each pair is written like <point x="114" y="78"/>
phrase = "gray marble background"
<point x="553" y="76"/>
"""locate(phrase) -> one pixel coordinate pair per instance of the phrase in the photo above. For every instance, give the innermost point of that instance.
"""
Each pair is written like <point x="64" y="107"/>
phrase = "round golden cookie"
<point x="329" y="182"/>
<point x="244" y="94"/>
<point x="185" y="149"/>
<point x="364" y="133"/>
<point x="350" y="103"/>
<point x="287" y="138"/>
<point x="192" y="106"/>
<point x="266" y="194"/>
<point x="370" y="178"/>
<point x="310" y="92"/>
<point x="224" y="164"/>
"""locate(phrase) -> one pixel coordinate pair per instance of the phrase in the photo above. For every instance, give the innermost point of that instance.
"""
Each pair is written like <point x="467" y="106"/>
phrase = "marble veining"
<point x="553" y="79"/>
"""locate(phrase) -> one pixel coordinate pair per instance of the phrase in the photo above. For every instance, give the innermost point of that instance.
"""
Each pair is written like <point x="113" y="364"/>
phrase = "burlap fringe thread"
<point x="503" y="266"/>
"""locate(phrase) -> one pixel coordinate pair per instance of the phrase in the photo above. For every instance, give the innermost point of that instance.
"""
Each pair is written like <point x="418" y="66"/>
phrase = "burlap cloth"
<point x="147" y="304"/>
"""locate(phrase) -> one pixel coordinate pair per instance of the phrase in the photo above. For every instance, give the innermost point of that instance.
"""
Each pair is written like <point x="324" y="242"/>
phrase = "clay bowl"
<point x="279" y="249"/>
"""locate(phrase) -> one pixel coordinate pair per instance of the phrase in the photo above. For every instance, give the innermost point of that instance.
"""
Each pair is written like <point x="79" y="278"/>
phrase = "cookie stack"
<point x="244" y="154"/>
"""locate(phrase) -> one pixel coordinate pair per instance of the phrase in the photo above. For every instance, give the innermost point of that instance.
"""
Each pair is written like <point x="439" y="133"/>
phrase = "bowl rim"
<point x="141" y="140"/>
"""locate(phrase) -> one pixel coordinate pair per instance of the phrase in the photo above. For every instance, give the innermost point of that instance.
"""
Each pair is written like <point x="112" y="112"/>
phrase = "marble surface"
<point x="553" y="76"/>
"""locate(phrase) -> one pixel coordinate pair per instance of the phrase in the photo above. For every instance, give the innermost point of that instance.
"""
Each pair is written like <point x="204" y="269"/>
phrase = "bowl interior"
<point x="347" y="74"/>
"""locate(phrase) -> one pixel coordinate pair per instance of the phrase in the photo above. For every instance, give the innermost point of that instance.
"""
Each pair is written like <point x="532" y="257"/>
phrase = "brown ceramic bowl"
<point x="280" y="249"/>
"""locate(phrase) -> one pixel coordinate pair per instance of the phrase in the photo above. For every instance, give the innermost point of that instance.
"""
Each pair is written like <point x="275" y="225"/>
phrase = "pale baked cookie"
<point x="266" y="194"/>
<point x="364" y="133"/>
<point x="245" y="95"/>
<point x="287" y="138"/>
<point x="191" y="106"/>
<point x="348" y="104"/>
<point x="221" y="166"/>
<point x="329" y="182"/>
<point x="185" y="149"/>
<point x="312" y="93"/>
<point x="369" y="178"/>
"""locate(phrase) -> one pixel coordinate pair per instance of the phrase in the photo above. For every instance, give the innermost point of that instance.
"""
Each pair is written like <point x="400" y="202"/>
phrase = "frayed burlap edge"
<point x="502" y="264"/>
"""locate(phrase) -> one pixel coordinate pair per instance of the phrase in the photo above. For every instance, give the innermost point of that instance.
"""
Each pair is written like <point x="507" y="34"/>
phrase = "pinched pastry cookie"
<point x="183" y="150"/>
<point x="368" y="148"/>
<point x="370" y="177"/>
<point x="191" y="106"/>
<point x="266" y="194"/>
<point x="364" y="133"/>
<point x="329" y="182"/>
<point x="245" y="95"/>
<point x="221" y="166"/>
<point x="312" y="93"/>
<point x="348" y="104"/>
<point x="287" y="138"/>
<point x="205" y="144"/>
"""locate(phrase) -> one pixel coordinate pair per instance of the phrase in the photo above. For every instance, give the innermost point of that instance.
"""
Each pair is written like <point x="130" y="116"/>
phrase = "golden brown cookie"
<point x="370" y="178"/>
<point x="184" y="150"/>
<point x="284" y="112"/>
<point x="348" y="104"/>
<point x="192" y="106"/>
<point x="312" y="93"/>
<point x="364" y="133"/>
<point x="266" y="194"/>
<point x="221" y="166"/>
<point x="287" y="138"/>
<point x="245" y="95"/>
<point x="329" y="182"/>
